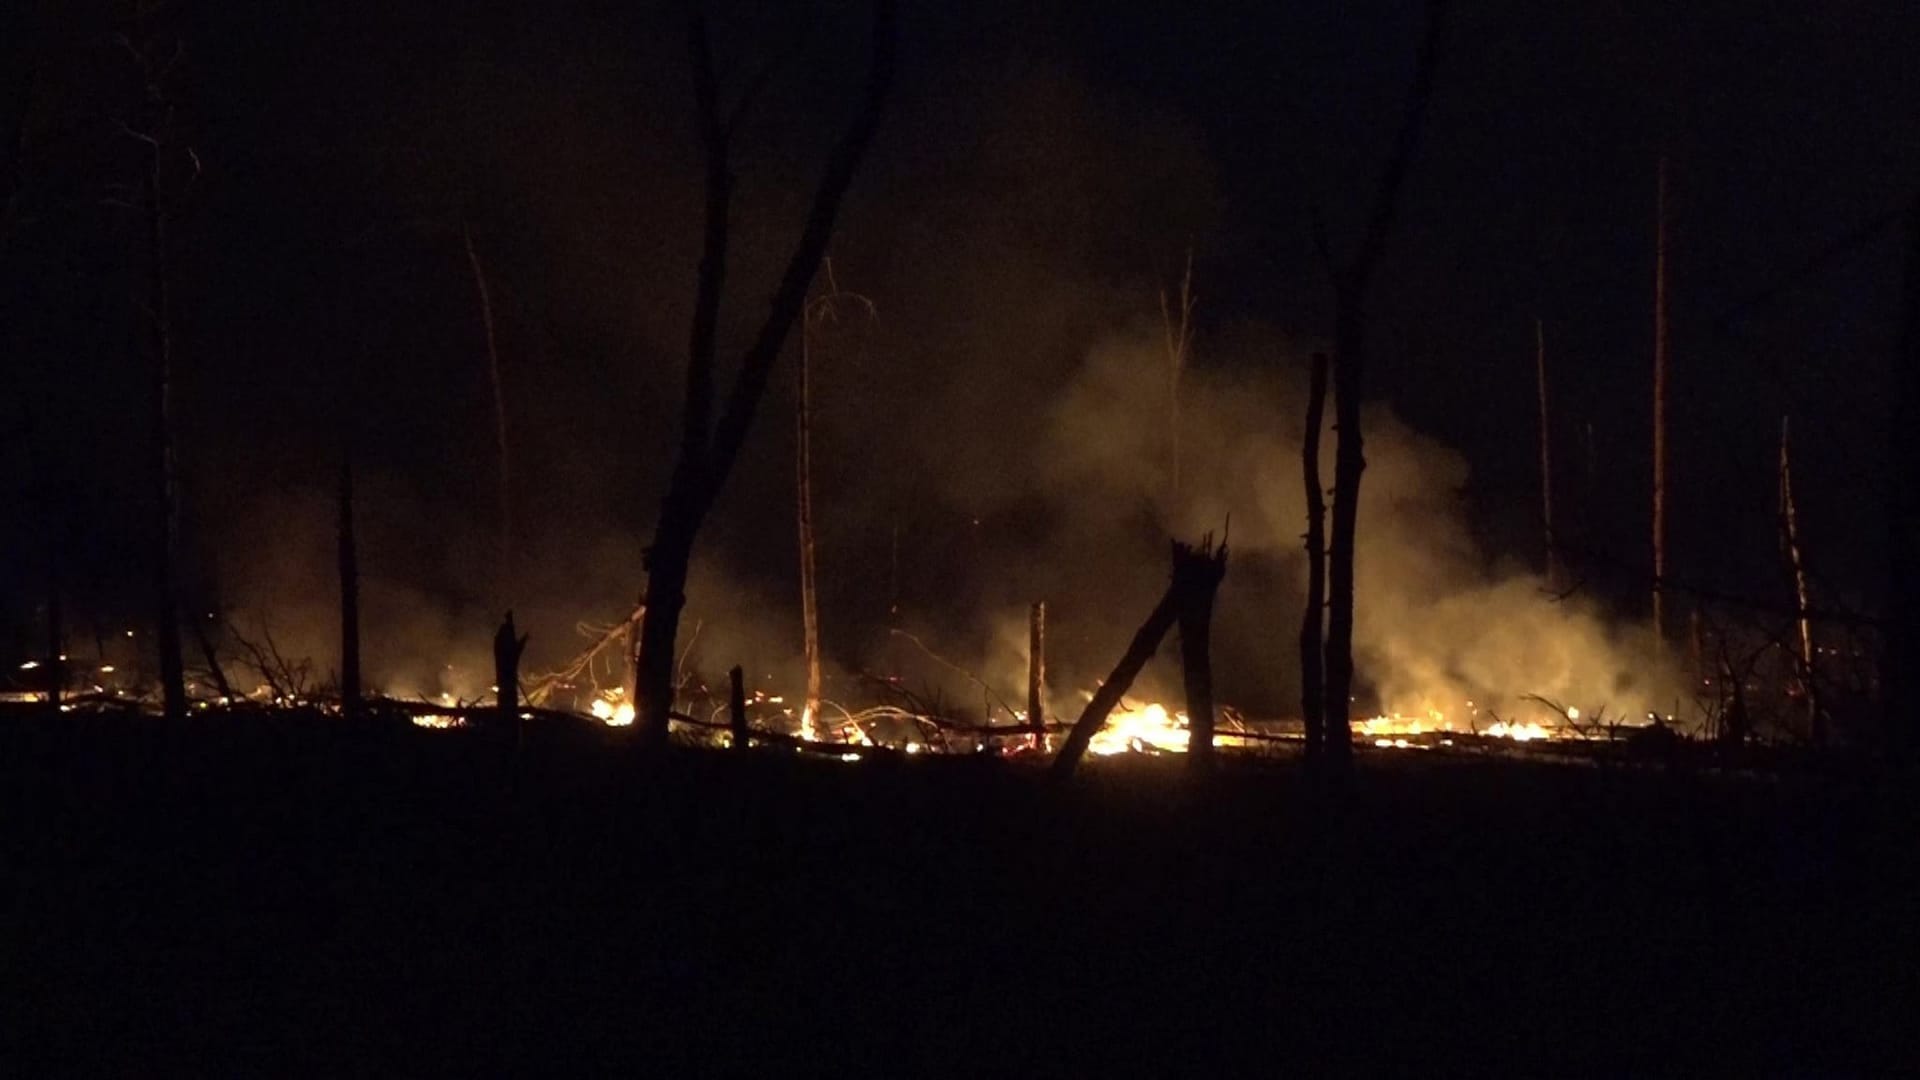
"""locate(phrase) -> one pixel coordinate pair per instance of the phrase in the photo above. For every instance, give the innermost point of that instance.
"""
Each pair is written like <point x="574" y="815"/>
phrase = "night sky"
<point x="1040" y="175"/>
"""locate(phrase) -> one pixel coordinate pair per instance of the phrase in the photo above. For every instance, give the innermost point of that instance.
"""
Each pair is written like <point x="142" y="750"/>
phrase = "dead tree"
<point x="1177" y="322"/>
<point x="1037" y="674"/>
<point x="349" y="563"/>
<point x="1197" y="574"/>
<point x="1660" y="407"/>
<point x="1546" y="452"/>
<point x="499" y="409"/>
<point x="155" y="134"/>
<point x="1314" y="619"/>
<point x="1802" y="602"/>
<point x="1350" y="285"/>
<point x="823" y="309"/>
<point x="1900" y="651"/>
<point x="708" y="449"/>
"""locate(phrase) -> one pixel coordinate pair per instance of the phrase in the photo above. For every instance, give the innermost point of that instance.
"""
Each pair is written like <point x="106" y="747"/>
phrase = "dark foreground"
<point x="285" y="895"/>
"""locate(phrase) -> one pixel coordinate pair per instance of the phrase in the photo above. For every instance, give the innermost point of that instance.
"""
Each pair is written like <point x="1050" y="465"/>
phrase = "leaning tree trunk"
<point x="1313" y="620"/>
<point x="706" y="461"/>
<point x="1802" y="596"/>
<point x="1146" y="642"/>
<point x="173" y="682"/>
<point x="501" y="460"/>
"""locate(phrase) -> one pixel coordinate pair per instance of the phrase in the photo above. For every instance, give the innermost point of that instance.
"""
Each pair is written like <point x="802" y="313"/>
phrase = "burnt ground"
<point x="283" y="895"/>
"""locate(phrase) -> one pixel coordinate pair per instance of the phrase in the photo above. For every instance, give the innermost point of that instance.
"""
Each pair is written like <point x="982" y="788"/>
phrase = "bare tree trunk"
<point x="1146" y="641"/>
<point x="1037" y="673"/>
<point x="349" y="597"/>
<point x="1900" y="651"/>
<point x="505" y="568"/>
<point x="1802" y="604"/>
<point x="1179" y="333"/>
<point x="704" y="464"/>
<point x="1660" y="410"/>
<point x="1349" y="340"/>
<point x="1314" y="619"/>
<point x="507" y="648"/>
<point x="1546" y="453"/>
<point x="1197" y="576"/>
<point x="809" y="595"/>
<point x="173" y="683"/>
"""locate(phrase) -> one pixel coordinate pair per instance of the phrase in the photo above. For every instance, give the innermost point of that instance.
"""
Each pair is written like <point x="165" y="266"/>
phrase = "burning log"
<point x="1146" y="641"/>
<point x="1197" y="573"/>
<point x="1313" y="620"/>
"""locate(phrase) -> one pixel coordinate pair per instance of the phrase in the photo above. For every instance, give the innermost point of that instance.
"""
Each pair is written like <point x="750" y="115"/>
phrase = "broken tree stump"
<point x="737" y="707"/>
<point x="506" y="670"/>
<point x="1197" y="573"/>
<point x="1037" y="673"/>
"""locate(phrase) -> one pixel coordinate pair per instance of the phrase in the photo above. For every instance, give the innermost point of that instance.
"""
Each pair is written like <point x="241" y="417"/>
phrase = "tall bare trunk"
<point x="1802" y="602"/>
<point x="1313" y="620"/>
<point x="505" y="568"/>
<point x="737" y="709"/>
<point x="1349" y="358"/>
<point x="1660" y="409"/>
<point x="173" y="683"/>
<point x="809" y="594"/>
<point x="704" y="463"/>
<point x="349" y="560"/>
<point x="1900" y="651"/>
<point x="1546" y="452"/>
<point x="1178" y="326"/>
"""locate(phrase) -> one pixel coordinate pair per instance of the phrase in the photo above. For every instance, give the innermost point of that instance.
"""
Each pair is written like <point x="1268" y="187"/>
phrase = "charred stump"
<point x="506" y="671"/>
<point x="1037" y="674"/>
<point x="1197" y="573"/>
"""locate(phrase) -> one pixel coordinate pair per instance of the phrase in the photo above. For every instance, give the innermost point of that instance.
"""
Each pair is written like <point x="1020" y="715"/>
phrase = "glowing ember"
<point x="438" y="721"/>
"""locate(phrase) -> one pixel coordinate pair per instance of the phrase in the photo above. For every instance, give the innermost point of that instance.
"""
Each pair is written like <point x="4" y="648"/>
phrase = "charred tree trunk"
<point x="507" y="649"/>
<point x="1660" y="410"/>
<point x="704" y="461"/>
<point x="737" y="708"/>
<point x="1313" y="620"/>
<point x="803" y="484"/>
<point x="349" y="561"/>
<point x="1146" y="641"/>
<point x="1349" y="340"/>
<point x="1900" y="651"/>
<point x="1037" y="673"/>
<point x="1179" y="333"/>
<point x="1197" y="574"/>
<point x="173" y="684"/>
<point x="1546" y="453"/>
<point x="1802" y="602"/>
<point x="505" y="568"/>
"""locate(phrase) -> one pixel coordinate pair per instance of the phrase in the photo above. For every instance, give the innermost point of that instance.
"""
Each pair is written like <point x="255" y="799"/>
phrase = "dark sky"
<point x="1040" y="174"/>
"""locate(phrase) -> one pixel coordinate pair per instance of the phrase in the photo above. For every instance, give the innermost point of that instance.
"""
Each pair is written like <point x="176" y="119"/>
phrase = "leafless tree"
<point x="708" y="449"/>
<point x="1351" y="281"/>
